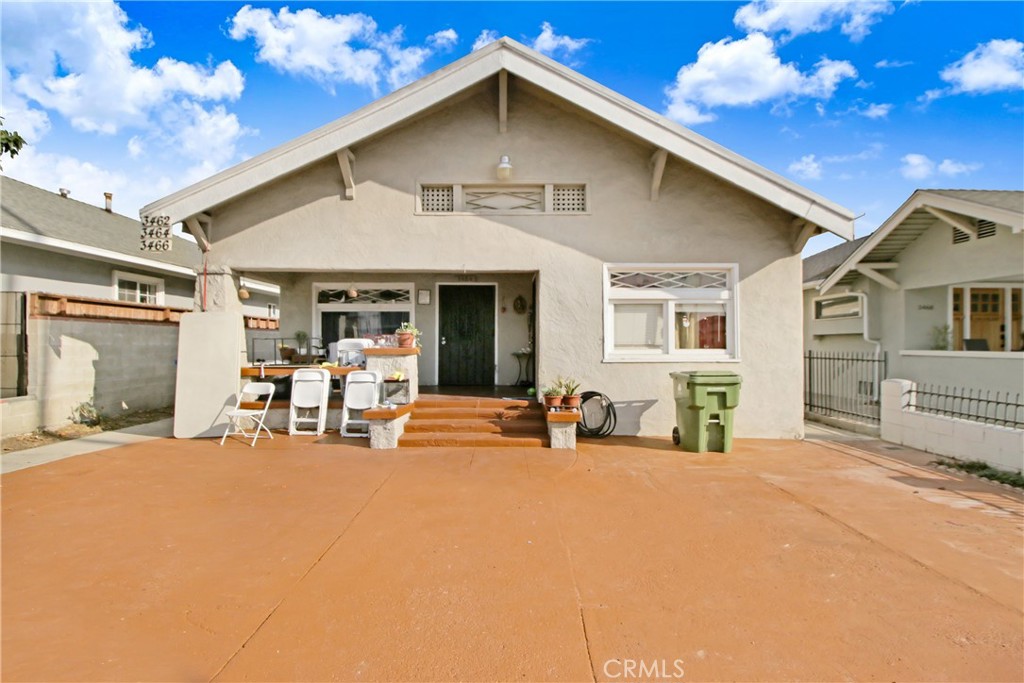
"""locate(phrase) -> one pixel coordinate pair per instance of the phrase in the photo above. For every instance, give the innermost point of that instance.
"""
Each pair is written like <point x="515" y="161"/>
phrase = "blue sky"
<point x="862" y="102"/>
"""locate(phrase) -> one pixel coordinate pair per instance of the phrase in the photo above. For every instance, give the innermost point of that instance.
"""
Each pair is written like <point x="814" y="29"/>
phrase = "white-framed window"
<point x="138" y="289"/>
<point x="273" y="311"/>
<point x="838" y="306"/>
<point x="502" y="199"/>
<point x="378" y="308"/>
<point x="671" y="312"/>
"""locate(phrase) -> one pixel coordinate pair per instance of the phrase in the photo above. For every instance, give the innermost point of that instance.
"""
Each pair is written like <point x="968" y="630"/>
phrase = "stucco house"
<point x="507" y="202"/>
<point x="88" y="317"/>
<point x="937" y="289"/>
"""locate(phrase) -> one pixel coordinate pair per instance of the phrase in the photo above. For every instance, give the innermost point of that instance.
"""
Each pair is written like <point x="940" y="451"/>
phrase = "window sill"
<point x="669" y="359"/>
<point x="965" y="354"/>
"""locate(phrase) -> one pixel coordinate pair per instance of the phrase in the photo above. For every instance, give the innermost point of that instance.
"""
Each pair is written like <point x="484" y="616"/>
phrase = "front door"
<point x="466" y="327"/>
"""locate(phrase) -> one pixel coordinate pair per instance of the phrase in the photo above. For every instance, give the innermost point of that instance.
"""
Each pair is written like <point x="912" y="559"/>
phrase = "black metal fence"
<point x="844" y="384"/>
<point x="991" y="407"/>
<point x="13" y="345"/>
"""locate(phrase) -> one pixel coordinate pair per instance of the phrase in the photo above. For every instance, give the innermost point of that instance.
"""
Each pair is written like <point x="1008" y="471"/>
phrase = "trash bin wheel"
<point x="675" y="435"/>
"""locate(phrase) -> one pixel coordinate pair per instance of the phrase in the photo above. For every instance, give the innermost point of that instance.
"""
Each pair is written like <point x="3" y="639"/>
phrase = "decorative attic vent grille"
<point x="569" y="198"/>
<point x="526" y="199"/>
<point x="656" y="279"/>
<point x="984" y="228"/>
<point x="366" y="296"/>
<point x="437" y="199"/>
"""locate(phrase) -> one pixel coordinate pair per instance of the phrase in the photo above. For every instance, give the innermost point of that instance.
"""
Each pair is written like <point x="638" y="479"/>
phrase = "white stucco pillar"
<point x="217" y="290"/>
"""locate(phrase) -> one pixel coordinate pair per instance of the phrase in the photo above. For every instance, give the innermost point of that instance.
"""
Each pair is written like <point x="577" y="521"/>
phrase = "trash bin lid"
<point x="717" y="377"/>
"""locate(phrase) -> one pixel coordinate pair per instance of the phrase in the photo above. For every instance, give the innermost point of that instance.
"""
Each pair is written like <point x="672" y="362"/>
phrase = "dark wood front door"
<point x="466" y="326"/>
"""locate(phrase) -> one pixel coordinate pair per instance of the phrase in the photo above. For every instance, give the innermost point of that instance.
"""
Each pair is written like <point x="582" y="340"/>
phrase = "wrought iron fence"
<point x="844" y="384"/>
<point x="978" y="405"/>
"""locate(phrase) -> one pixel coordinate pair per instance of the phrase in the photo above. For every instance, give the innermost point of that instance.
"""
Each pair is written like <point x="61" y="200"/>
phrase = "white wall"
<point x="300" y="224"/>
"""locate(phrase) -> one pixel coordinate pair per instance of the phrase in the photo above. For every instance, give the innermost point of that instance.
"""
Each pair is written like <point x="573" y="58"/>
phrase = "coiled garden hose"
<point x="597" y="415"/>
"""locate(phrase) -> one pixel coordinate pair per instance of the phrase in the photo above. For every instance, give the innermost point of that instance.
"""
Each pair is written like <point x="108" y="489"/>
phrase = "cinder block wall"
<point x="117" y="366"/>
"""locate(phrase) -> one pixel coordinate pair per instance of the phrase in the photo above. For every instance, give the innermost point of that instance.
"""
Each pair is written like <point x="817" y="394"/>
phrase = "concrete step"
<point x="537" y="427"/>
<point x="470" y="440"/>
<point x="426" y="402"/>
<point x="476" y="413"/>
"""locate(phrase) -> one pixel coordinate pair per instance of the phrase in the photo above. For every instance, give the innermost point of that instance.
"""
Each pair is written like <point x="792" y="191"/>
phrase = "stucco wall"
<point x="300" y="223"/>
<point x="26" y="269"/>
<point x="115" y="366"/>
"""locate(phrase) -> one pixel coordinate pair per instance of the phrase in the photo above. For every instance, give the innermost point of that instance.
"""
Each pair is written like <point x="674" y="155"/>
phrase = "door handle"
<point x="443" y="341"/>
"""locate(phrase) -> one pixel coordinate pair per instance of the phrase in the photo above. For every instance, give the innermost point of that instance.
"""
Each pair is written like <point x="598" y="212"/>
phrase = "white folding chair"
<point x="350" y="351"/>
<point x="362" y="392"/>
<point x="253" y="390"/>
<point x="310" y="389"/>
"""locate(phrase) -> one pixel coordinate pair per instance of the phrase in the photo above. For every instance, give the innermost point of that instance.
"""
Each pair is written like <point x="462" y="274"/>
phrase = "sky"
<point x="861" y="102"/>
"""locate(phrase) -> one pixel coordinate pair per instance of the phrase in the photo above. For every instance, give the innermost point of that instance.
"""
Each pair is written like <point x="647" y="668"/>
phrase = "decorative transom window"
<point x="672" y="312"/>
<point x="364" y="296"/>
<point x="503" y="199"/>
<point x="983" y="228"/>
<point x="138" y="289"/>
<point x="840" y="306"/>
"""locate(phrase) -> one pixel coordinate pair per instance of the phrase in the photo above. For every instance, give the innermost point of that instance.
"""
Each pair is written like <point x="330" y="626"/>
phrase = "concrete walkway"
<point x="30" y="457"/>
<point x="317" y="559"/>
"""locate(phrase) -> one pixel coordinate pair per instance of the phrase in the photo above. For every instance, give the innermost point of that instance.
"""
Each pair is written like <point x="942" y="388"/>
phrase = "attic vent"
<point x="984" y="228"/>
<point x="437" y="199"/>
<point x="569" y="198"/>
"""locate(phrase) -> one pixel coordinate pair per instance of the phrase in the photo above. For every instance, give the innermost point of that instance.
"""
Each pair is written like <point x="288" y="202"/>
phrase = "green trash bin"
<point x="705" y="400"/>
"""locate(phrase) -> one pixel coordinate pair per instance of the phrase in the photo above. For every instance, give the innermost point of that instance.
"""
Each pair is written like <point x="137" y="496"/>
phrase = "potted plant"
<point x="286" y="352"/>
<point x="553" y="396"/>
<point x="570" y="397"/>
<point x="301" y="338"/>
<point x="408" y="336"/>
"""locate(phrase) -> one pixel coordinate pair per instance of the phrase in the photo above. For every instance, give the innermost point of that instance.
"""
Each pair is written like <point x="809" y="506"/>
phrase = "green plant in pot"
<point x="553" y="395"/>
<point x="570" y="393"/>
<point x="408" y="336"/>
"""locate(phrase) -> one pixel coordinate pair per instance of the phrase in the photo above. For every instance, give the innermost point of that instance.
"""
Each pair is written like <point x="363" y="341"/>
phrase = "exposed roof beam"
<point x="870" y="270"/>
<point x="345" y="159"/>
<point x="808" y="231"/>
<point x="658" y="160"/>
<point x="953" y="220"/>
<point x="194" y="227"/>
<point x="502" y="101"/>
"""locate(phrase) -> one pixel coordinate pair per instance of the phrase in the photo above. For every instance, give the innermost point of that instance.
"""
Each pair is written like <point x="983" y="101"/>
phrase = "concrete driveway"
<point x="307" y="559"/>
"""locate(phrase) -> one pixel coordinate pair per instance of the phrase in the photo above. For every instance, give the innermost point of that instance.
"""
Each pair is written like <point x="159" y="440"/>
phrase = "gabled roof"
<point x="32" y="215"/>
<point x="819" y="266"/>
<point x="510" y="56"/>
<point x="923" y="210"/>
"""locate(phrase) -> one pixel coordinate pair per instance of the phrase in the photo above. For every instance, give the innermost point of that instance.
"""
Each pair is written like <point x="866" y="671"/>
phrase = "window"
<point x="375" y="309"/>
<point x="830" y="308"/>
<point x="670" y="312"/>
<point x="272" y="311"/>
<point x="503" y="199"/>
<point x="138" y="289"/>
<point x="979" y="312"/>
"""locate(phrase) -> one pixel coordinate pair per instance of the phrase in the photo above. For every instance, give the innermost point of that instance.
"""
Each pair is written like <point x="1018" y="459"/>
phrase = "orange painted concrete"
<point x="318" y="559"/>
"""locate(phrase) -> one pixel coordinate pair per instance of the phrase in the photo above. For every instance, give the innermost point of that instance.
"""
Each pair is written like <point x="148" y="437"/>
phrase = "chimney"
<point x="64" y="192"/>
<point x="109" y="196"/>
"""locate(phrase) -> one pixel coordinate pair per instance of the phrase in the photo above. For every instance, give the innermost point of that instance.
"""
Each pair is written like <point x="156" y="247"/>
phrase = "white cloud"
<point x="76" y="59"/>
<point x="792" y="19"/>
<point x="991" y="67"/>
<point x="486" y="37"/>
<point x="953" y="168"/>
<point x="806" y="167"/>
<point x="920" y="167"/>
<point x="86" y="181"/>
<point x="891" y="64"/>
<point x="443" y="40"/>
<point x="209" y="139"/>
<point x="873" y="151"/>
<point x="136" y="147"/>
<point x="876" y="111"/>
<point x="746" y="72"/>
<point x="335" y="49"/>
<point x="556" y="46"/>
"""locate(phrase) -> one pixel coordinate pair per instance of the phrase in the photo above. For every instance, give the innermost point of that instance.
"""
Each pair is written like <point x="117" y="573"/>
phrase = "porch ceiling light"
<point x="504" y="168"/>
<point x="352" y="293"/>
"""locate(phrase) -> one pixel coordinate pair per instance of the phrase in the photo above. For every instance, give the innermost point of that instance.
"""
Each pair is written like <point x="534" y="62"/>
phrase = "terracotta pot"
<point x="571" y="400"/>
<point x="551" y="401"/>
<point x="406" y="340"/>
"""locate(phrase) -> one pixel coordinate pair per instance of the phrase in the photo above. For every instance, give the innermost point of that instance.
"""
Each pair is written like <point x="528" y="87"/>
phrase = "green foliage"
<point x="407" y="328"/>
<point x="553" y="390"/>
<point x="10" y="142"/>
<point x="941" y="337"/>
<point x="983" y="469"/>
<point x="301" y="337"/>
<point x="570" y="386"/>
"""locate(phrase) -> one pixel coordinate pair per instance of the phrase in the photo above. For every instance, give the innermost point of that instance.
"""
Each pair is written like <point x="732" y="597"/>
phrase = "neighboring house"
<point x="937" y="289"/>
<point x="507" y="201"/>
<point x="89" y="319"/>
